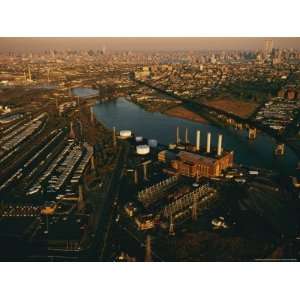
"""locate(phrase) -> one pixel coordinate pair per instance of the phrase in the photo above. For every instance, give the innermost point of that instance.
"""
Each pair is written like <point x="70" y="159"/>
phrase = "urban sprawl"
<point x="71" y="188"/>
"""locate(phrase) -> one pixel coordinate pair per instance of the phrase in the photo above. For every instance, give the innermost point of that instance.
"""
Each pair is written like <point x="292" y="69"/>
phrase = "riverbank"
<point x="124" y="114"/>
<point x="184" y="113"/>
<point x="240" y="108"/>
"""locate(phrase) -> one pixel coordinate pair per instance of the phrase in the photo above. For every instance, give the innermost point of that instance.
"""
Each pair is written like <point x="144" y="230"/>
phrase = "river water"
<point x="84" y="92"/>
<point x="124" y="114"/>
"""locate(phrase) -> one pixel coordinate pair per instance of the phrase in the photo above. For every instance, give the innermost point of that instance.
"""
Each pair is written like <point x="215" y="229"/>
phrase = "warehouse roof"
<point x="194" y="158"/>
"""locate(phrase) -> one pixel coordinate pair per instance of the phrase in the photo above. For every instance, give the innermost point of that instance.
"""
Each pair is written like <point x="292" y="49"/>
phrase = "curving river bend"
<point x="124" y="114"/>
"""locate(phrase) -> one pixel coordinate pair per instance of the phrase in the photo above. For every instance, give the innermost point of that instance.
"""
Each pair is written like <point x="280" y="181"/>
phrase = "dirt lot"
<point x="181" y="112"/>
<point x="239" y="108"/>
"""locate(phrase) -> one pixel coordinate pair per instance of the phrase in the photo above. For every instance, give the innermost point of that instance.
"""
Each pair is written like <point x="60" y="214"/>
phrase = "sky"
<point x="141" y="44"/>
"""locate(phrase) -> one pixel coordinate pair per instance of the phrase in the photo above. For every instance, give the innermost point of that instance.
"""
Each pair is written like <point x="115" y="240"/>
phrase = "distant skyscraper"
<point x="52" y="53"/>
<point x="29" y="74"/>
<point x="269" y="44"/>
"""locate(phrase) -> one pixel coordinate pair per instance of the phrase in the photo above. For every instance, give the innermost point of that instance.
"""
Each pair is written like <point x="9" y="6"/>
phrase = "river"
<point x="84" y="92"/>
<point x="124" y="114"/>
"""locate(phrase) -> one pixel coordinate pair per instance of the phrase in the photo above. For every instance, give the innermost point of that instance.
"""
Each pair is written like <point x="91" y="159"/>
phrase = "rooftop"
<point x="194" y="158"/>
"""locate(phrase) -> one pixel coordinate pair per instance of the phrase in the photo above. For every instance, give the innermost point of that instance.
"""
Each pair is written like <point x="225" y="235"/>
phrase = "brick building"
<point x="196" y="165"/>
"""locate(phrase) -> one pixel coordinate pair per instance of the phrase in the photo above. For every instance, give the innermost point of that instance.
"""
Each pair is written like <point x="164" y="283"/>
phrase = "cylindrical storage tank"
<point x="152" y="143"/>
<point x="142" y="149"/>
<point x="138" y="138"/>
<point x="124" y="134"/>
<point x="172" y="146"/>
<point x="181" y="147"/>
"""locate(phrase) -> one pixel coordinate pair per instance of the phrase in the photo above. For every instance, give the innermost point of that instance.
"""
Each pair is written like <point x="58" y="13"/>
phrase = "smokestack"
<point x="145" y="171"/>
<point x="172" y="226"/>
<point x="29" y="73"/>
<point x="80" y="197"/>
<point x="114" y="137"/>
<point x="194" y="209"/>
<point x="148" y="254"/>
<point x="220" y="137"/>
<point x="72" y="133"/>
<point x="177" y="135"/>
<point x="198" y="140"/>
<point x="92" y="163"/>
<point x="186" y="135"/>
<point x="81" y="131"/>
<point x="208" y="142"/>
<point x="136" y="178"/>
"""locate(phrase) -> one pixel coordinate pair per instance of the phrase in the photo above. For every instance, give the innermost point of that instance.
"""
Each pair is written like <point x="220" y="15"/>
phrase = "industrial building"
<point x="196" y="162"/>
<point x="196" y="165"/>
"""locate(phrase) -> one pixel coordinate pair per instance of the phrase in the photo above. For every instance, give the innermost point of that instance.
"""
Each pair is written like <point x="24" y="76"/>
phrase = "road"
<point x="108" y="211"/>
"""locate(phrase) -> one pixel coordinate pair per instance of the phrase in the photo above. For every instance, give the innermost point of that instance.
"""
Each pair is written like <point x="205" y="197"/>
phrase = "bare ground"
<point x="181" y="112"/>
<point x="240" y="108"/>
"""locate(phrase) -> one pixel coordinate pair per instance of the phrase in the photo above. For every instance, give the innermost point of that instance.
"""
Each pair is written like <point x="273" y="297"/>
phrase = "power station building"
<point x="200" y="162"/>
<point x="196" y="165"/>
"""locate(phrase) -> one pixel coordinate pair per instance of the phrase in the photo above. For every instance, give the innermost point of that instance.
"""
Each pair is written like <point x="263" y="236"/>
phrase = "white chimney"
<point x="208" y="142"/>
<point x="177" y="135"/>
<point x="186" y="135"/>
<point x="220" y="137"/>
<point x="198" y="140"/>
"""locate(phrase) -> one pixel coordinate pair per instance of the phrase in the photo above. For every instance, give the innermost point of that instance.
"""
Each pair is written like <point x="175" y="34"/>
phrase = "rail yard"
<point x="49" y="169"/>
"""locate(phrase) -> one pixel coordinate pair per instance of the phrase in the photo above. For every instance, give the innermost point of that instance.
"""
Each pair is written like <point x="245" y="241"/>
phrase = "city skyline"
<point x="23" y="44"/>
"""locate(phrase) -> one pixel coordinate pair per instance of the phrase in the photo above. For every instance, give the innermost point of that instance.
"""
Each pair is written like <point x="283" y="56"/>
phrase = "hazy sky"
<point x="36" y="44"/>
